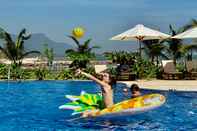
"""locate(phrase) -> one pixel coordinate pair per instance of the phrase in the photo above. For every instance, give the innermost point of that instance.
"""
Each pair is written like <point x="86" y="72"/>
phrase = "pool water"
<point x="33" y="105"/>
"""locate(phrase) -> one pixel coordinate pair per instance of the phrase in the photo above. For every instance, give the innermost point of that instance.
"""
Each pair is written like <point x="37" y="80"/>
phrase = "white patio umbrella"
<point x="140" y="33"/>
<point x="191" y="33"/>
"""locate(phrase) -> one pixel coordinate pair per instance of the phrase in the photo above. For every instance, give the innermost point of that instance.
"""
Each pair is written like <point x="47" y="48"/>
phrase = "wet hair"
<point x="134" y="87"/>
<point x="112" y="82"/>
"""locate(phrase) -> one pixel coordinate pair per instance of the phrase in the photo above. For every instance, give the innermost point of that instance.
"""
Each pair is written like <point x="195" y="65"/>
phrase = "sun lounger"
<point x="170" y="73"/>
<point x="125" y="76"/>
<point x="124" y="73"/>
<point x="191" y="67"/>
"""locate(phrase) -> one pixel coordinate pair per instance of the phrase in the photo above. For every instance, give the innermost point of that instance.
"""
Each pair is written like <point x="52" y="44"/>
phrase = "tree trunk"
<point x="174" y="61"/>
<point x="152" y="58"/>
<point x="140" y="49"/>
<point x="157" y="61"/>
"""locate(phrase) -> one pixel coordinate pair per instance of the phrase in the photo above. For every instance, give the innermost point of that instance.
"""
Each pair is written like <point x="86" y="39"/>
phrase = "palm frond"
<point x="22" y="32"/>
<point x="75" y="40"/>
<point x="172" y="31"/>
<point x="27" y="37"/>
<point x="163" y="55"/>
<point x="86" y="43"/>
<point x="2" y="35"/>
<point x="191" y="24"/>
<point x="21" y="38"/>
<point x="191" y="47"/>
<point x="8" y="38"/>
<point x="69" y="51"/>
<point x="5" y="52"/>
<point x="93" y="47"/>
<point x="96" y="47"/>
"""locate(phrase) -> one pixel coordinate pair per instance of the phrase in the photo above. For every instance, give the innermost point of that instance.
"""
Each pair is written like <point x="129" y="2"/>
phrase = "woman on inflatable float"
<point x="107" y="82"/>
<point x="94" y="105"/>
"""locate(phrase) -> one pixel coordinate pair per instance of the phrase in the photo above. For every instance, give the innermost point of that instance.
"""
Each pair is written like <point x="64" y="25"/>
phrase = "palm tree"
<point x="188" y="50"/>
<point x="82" y="54"/>
<point x="176" y="47"/>
<point x="14" y="50"/>
<point x="49" y="54"/>
<point x="192" y="47"/>
<point x="191" y="24"/>
<point x="154" y="49"/>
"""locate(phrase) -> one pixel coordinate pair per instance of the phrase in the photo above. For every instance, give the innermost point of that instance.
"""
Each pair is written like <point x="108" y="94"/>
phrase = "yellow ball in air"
<point x="78" y="32"/>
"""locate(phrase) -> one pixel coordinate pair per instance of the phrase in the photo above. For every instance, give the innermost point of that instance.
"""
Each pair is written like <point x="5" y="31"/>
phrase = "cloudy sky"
<point x="102" y="19"/>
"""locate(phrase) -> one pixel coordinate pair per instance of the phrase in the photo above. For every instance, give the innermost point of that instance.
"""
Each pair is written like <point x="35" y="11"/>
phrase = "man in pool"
<point x="135" y="91"/>
<point x="106" y="84"/>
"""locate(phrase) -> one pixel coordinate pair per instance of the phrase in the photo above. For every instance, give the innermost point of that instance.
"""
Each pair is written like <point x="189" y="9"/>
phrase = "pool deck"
<point x="178" y="85"/>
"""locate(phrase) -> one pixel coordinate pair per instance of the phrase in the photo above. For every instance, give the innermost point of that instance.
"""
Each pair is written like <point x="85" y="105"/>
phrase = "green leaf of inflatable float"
<point x="83" y="102"/>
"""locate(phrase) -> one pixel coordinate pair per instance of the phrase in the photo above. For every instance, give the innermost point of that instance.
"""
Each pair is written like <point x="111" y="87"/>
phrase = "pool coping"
<point x="165" y="85"/>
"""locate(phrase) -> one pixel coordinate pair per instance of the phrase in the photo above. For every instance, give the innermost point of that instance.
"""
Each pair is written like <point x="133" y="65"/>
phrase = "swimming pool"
<point x="33" y="105"/>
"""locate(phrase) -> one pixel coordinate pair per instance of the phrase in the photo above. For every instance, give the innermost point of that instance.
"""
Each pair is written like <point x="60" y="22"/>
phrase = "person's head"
<point x="106" y="77"/>
<point x="135" y="90"/>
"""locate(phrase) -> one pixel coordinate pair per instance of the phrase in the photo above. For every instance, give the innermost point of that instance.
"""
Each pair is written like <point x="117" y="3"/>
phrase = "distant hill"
<point x="37" y="41"/>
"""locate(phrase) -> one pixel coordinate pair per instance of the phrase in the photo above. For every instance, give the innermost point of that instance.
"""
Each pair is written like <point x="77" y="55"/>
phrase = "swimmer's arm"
<point x="94" y="79"/>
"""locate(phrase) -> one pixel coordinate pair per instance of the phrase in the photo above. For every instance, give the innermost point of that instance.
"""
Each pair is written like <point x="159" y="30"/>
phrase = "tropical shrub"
<point x="145" y="69"/>
<point x="125" y="61"/>
<point x="16" y="73"/>
<point x="121" y="57"/>
<point x="65" y="74"/>
<point x="70" y="74"/>
<point x="29" y="74"/>
<point x="180" y="67"/>
<point x="3" y="71"/>
<point x="49" y="54"/>
<point x="41" y="73"/>
<point x="112" y="71"/>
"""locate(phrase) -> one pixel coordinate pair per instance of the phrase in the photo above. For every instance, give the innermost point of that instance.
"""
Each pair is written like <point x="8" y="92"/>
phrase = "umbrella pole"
<point x="140" y="51"/>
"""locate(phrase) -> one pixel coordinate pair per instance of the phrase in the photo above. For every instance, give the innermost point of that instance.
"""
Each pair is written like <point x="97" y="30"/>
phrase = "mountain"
<point x="37" y="41"/>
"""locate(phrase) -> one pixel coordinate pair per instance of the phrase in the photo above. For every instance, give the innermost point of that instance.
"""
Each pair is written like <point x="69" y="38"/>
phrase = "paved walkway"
<point x="179" y="85"/>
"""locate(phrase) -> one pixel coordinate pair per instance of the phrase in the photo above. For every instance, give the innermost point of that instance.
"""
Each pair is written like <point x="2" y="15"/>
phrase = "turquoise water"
<point x="34" y="106"/>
